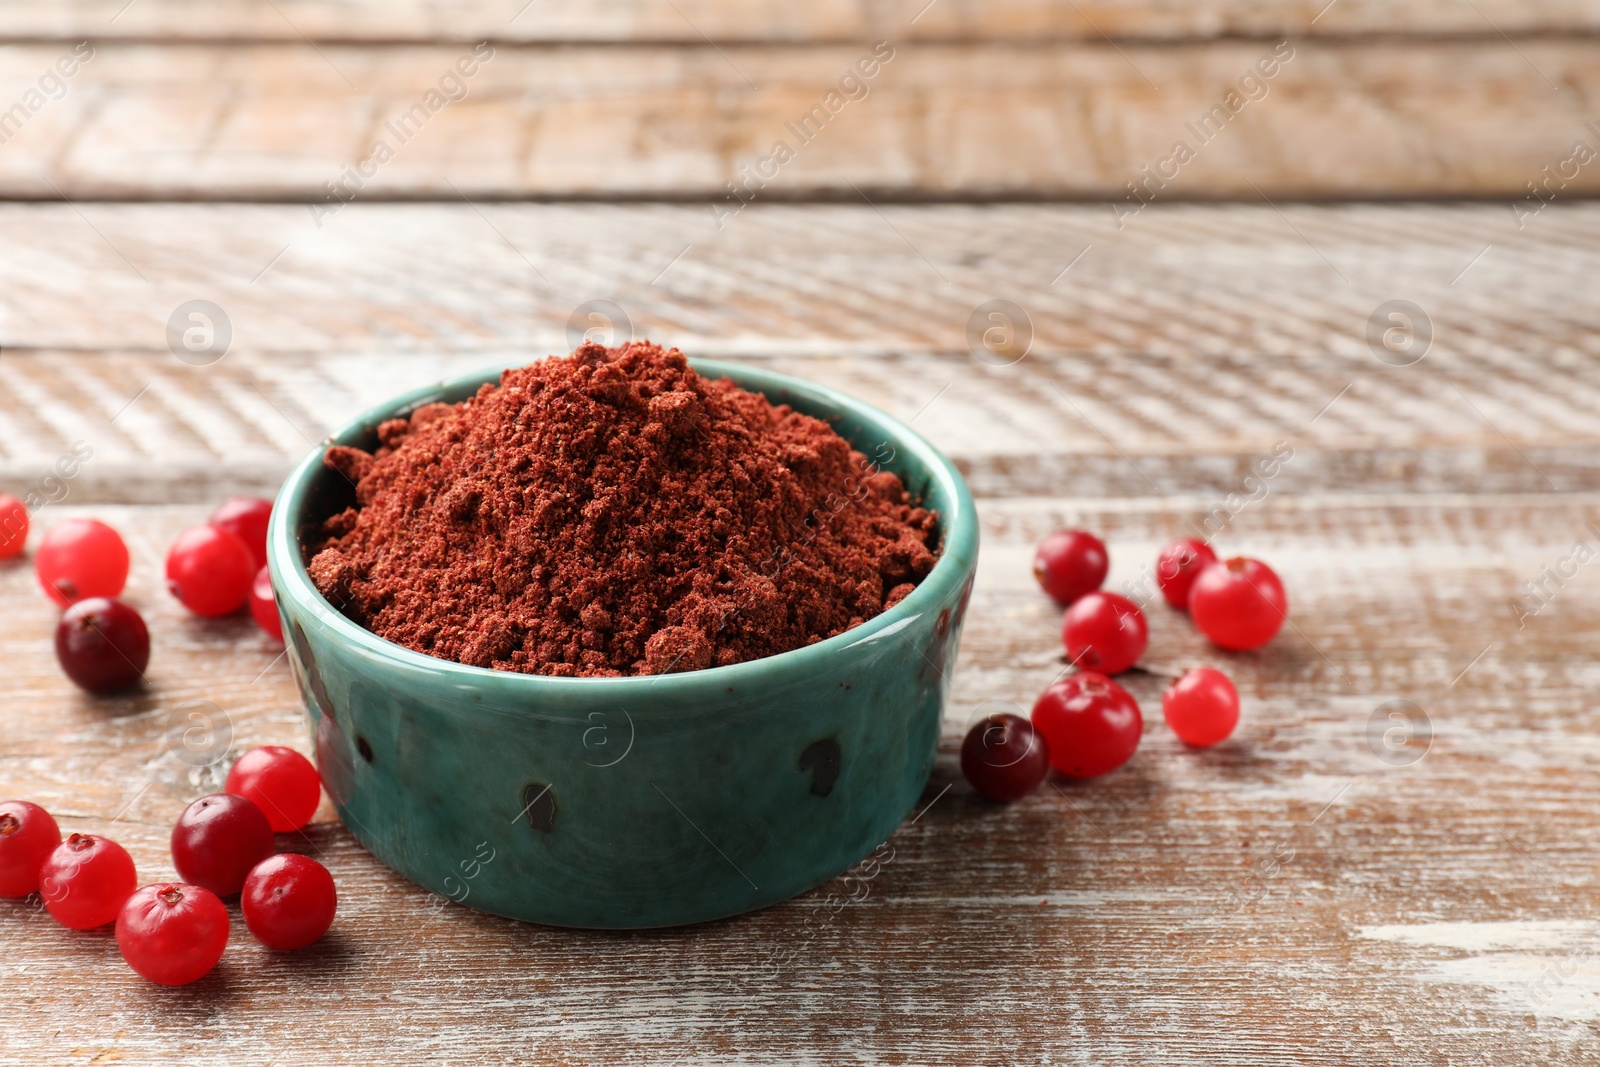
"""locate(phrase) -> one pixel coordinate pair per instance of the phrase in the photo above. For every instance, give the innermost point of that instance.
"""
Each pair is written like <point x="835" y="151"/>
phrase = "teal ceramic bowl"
<point x="630" y="802"/>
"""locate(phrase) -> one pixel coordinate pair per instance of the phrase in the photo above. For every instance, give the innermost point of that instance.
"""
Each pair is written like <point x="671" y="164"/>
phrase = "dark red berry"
<point x="81" y="558"/>
<point x="85" y="880"/>
<point x="13" y="526"/>
<point x="172" y="934"/>
<point x="210" y="571"/>
<point x="279" y="781"/>
<point x="1179" y="564"/>
<point x="263" y="608"/>
<point x="1202" y="706"/>
<point x="1104" y="632"/>
<point x="289" y="901"/>
<point x="246" y="518"/>
<point x="1091" y="725"/>
<point x="1070" y="563"/>
<point x="1239" y="604"/>
<point x="27" y="836"/>
<point x="218" y="839"/>
<point x="102" y="645"/>
<point x="1004" y="757"/>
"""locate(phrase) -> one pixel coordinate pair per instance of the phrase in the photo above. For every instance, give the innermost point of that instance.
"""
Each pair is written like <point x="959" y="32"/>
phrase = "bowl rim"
<point x="957" y="558"/>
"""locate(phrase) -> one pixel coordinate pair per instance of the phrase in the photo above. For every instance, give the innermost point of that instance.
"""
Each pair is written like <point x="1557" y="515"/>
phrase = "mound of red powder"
<point x="612" y="512"/>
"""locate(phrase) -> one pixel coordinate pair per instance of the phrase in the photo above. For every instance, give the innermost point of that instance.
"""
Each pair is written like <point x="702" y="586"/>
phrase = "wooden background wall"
<point x="650" y="98"/>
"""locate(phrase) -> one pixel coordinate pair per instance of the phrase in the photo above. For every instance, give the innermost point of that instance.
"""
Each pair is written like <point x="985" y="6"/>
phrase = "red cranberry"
<point x="218" y="839"/>
<point x="13" y="526"/>
<point x="263" y="608"/>
<point x="172" y="934"/>
<point x="102" y="645"/>
<point x="1070" y="563"/>
<point x="1104" y="632"/>
<point x="27" y="836"/>
<point x="246" y="518"/>
<point x="1091" y="725"/>
<point x="1179" y="564"/>
<point x="1004" y="757"/>
<point x="81" y="558"/>
<point x="279" y="781"/>
<point x="1201" y="706"/>
<point x="289" y="901"/>
<point x="85" y="880"/>
<point x="1239" y="604"/>
<point x="210" y="571"/>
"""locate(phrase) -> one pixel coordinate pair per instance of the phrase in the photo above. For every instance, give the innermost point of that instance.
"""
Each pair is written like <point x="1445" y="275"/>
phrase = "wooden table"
<point x="1392" y="861"/>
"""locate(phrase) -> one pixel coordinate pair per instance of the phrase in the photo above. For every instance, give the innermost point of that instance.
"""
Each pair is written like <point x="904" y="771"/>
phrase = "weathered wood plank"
<point x="1062" y="427"/>
<point x="1173" y="353"/>
<point x="691" y="21"/>
<point x="1077" y="120"/>
<point x="843" y="281"/>
<point x="1287" y="897"/>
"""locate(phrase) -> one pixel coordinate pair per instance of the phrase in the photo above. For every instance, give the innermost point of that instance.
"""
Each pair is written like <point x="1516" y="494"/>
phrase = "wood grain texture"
<point x="692" y="21"/>
<point x="1286" y="898"/>
<point x="1174" y="351"/>
<point x="1355" y="118"/>
<point x="1176" y="427"/>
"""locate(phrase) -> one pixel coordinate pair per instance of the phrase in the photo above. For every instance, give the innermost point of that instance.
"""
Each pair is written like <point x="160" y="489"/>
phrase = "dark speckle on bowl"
<point x="539" y="801"/>
<point x="821" y="758"/>
<point x="308" y="664"/>
<point x="333" y="761"/>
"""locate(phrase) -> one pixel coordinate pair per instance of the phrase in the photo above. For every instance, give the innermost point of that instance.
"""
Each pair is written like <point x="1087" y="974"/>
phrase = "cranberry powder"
<point x="614" y="513"/>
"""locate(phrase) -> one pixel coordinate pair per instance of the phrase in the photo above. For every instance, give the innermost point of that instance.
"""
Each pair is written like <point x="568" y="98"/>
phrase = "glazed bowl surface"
<point x="630" y="802"/>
